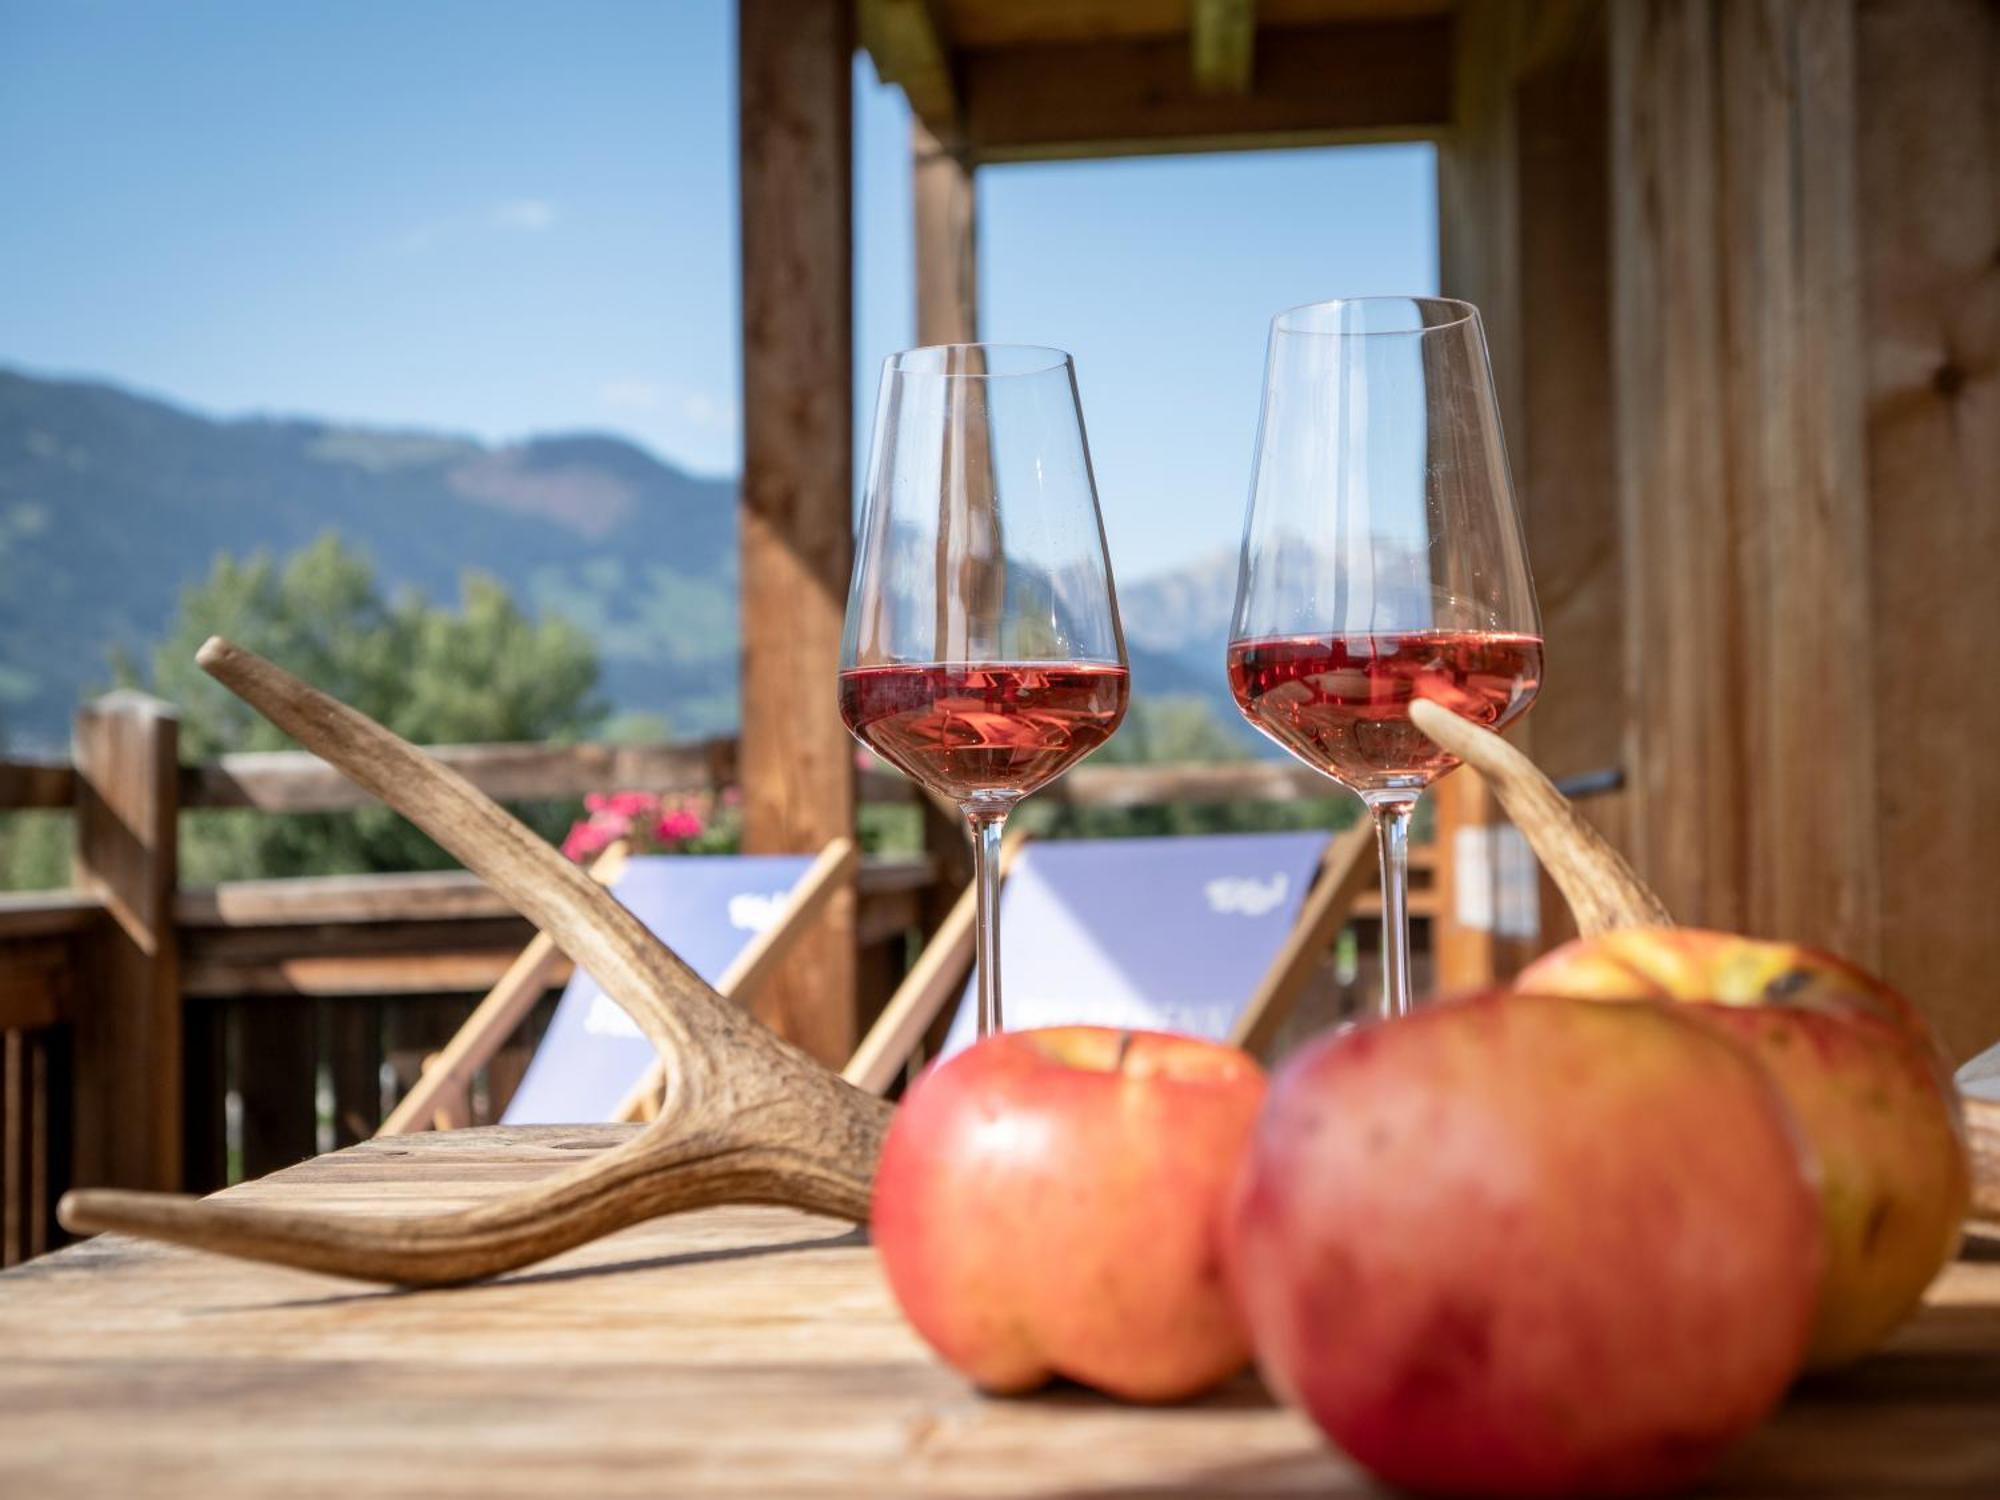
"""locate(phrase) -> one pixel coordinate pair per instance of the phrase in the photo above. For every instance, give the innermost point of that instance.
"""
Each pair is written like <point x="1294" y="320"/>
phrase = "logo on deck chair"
<point x="1245" y="895"/>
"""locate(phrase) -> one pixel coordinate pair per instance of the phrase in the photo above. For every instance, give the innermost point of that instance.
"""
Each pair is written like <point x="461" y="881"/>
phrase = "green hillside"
<point x="110" y="503"/>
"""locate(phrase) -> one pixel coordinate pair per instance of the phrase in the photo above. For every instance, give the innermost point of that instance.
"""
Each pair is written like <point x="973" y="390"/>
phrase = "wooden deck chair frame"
<point x="1344" y="873"/>
<point x="439" y="1097"/>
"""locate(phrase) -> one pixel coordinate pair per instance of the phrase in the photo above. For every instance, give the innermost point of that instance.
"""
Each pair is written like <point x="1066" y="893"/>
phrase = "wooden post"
<point x="1741" y="471"/>
<point x="943" y="203"/>
<point x="943" y="209"/>
<point x="794" y="60"/>
<point x="1523" y="220"/>
<point x="128" y="1033"/>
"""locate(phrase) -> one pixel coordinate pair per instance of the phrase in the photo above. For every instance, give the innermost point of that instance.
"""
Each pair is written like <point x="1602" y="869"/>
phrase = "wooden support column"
<point x="1524" y="224"/>
<point x="128" y="1028"/>
<point x="1741" y="472"/>
<point x="794" y="61"/>
<point x="943" y="209"/>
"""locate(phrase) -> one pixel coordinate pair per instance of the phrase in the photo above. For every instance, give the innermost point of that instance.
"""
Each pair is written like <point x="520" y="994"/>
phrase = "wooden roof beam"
<point x="1317" y="85"/>
<point x="1222" y="36"/>
<point x="909" y="50"/>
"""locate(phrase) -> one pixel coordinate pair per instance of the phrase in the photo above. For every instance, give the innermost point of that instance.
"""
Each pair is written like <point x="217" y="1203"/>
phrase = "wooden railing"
<point x="156" y="1035"/>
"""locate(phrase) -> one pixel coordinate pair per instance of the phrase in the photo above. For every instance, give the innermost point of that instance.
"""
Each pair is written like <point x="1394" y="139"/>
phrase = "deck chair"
<point x="1980" y="1078"/>
<point x="732" y="918"/>
<point x="1214" y="934"/>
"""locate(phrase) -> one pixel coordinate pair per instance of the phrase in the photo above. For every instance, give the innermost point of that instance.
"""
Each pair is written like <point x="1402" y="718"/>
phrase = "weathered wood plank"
<point x="293" y="781"/>
<point x="795" y="108"/>
<point x="36" y="914"/>
<point x="975" y="25"/>
<point x="736" y="1352"/>
<point x="902" y="36"/>
<point x="37" y="982"/>
<point x="446" y="972"/>
<point x="1313" y="86"/>
<point x="1746" y="541"/>
<point x="36" y="783"/>
<point x="430" y="896"/>
<point x="128" y="1023"/>
<point x="1929" y="87"/>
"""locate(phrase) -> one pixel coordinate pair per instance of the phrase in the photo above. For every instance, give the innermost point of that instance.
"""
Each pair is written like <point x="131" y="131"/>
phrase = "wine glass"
<point x="1382" y="561"/>
<point x="983" y="656"/>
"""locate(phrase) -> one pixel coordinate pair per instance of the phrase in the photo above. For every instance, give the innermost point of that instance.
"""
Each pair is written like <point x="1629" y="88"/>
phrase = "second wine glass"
<point x="983" y="656"/>
<point x="1382" y="561"/>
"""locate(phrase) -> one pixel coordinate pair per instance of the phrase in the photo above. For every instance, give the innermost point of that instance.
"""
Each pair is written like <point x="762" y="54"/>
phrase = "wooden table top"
<point x="738" y="1352"/>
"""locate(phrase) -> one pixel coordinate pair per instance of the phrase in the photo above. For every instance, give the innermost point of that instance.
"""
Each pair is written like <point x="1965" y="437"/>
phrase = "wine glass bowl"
<point x="982" y="655"/>
<point x="1383" y="560"/>
<point x="1341" y="703"/>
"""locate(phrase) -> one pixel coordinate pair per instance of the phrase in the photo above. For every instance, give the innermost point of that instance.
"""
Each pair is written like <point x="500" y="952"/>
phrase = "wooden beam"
<point x="128" y="1026"/>
<point x="944" y="218"/>
<point x="903" y="38"/>
<point x="1742" y="478"/>
<point x="36" y="983"/>
<point x="1222" y="38"/>
<point x="1929" y="154"/>
<point x="292" y="781"/>
<point x="35" y="914"/>
<point x="1314" y="86"/>
<point x="36" y="783"/>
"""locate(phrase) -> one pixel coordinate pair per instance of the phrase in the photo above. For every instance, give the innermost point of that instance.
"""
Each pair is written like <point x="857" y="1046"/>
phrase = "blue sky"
<point x="507" y="217"/>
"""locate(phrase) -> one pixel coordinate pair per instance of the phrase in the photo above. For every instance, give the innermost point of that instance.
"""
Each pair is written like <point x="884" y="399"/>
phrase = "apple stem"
<point x="1124" y="1046"/>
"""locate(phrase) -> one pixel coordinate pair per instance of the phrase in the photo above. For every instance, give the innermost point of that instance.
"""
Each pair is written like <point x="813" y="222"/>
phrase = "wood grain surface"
<point x="733" y="1352"/>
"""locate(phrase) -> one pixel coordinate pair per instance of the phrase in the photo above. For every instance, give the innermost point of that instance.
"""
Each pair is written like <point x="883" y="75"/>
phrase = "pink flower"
<point x="732" y="796"/>
<point x="584" y="839"/>
<point x="863" y="761"/>
<point x="627" y="805"/>
<point x="677" y="824"/>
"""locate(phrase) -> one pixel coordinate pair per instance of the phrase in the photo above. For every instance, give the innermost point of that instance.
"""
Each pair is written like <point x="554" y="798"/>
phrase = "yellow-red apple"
<point x="1524" y="1246"/>
<point x="1861" y="1070"/>
<point x="1049" y="1203"/>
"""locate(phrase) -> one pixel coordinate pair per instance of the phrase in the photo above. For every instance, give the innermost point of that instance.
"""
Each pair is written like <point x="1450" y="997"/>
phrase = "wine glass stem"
<point x="987" y="824"/>
<point x="1392" y="840"/>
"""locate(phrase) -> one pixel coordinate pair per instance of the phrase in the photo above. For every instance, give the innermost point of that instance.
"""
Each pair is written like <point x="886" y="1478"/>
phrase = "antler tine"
<point x="1603" y="891"/>
<point x="748" y="1118"/>
<point x="633" y="966"/>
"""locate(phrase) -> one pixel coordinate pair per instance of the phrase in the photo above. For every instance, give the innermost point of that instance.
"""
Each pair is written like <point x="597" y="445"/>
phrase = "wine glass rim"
<point x="1039" y="359"/>
<point x="1292" y="319"/>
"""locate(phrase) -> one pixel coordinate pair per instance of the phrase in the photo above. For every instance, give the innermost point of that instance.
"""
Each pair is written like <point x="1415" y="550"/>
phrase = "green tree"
<point x="485" y="671"/>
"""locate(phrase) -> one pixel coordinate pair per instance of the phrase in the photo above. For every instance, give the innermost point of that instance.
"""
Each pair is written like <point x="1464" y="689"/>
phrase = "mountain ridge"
<point x="113" y="501"/>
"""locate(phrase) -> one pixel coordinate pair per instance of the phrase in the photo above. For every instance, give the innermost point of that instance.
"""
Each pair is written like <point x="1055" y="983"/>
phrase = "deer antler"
<point x="1603" y="891"/>
<point x="747" y="1118"/>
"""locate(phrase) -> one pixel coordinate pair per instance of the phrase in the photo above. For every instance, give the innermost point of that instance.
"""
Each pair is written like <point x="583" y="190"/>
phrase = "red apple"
<point x="1522" y="1246"/>
<point x="1049" y="1203"/>
<point x="1860" y="1069"/>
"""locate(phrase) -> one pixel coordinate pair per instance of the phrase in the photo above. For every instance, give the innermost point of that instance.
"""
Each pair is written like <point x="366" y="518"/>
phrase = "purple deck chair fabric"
<point x="1169" y="934"/>
<point x="1980" y="1078"/>
<point x="707" y="907"/>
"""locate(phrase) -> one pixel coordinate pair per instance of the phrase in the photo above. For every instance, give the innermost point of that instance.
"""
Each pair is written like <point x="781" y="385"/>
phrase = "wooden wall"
<point x="1523" y="186"/>
<point x="1928" y="81"/>
<point x="1741" y="265"/>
